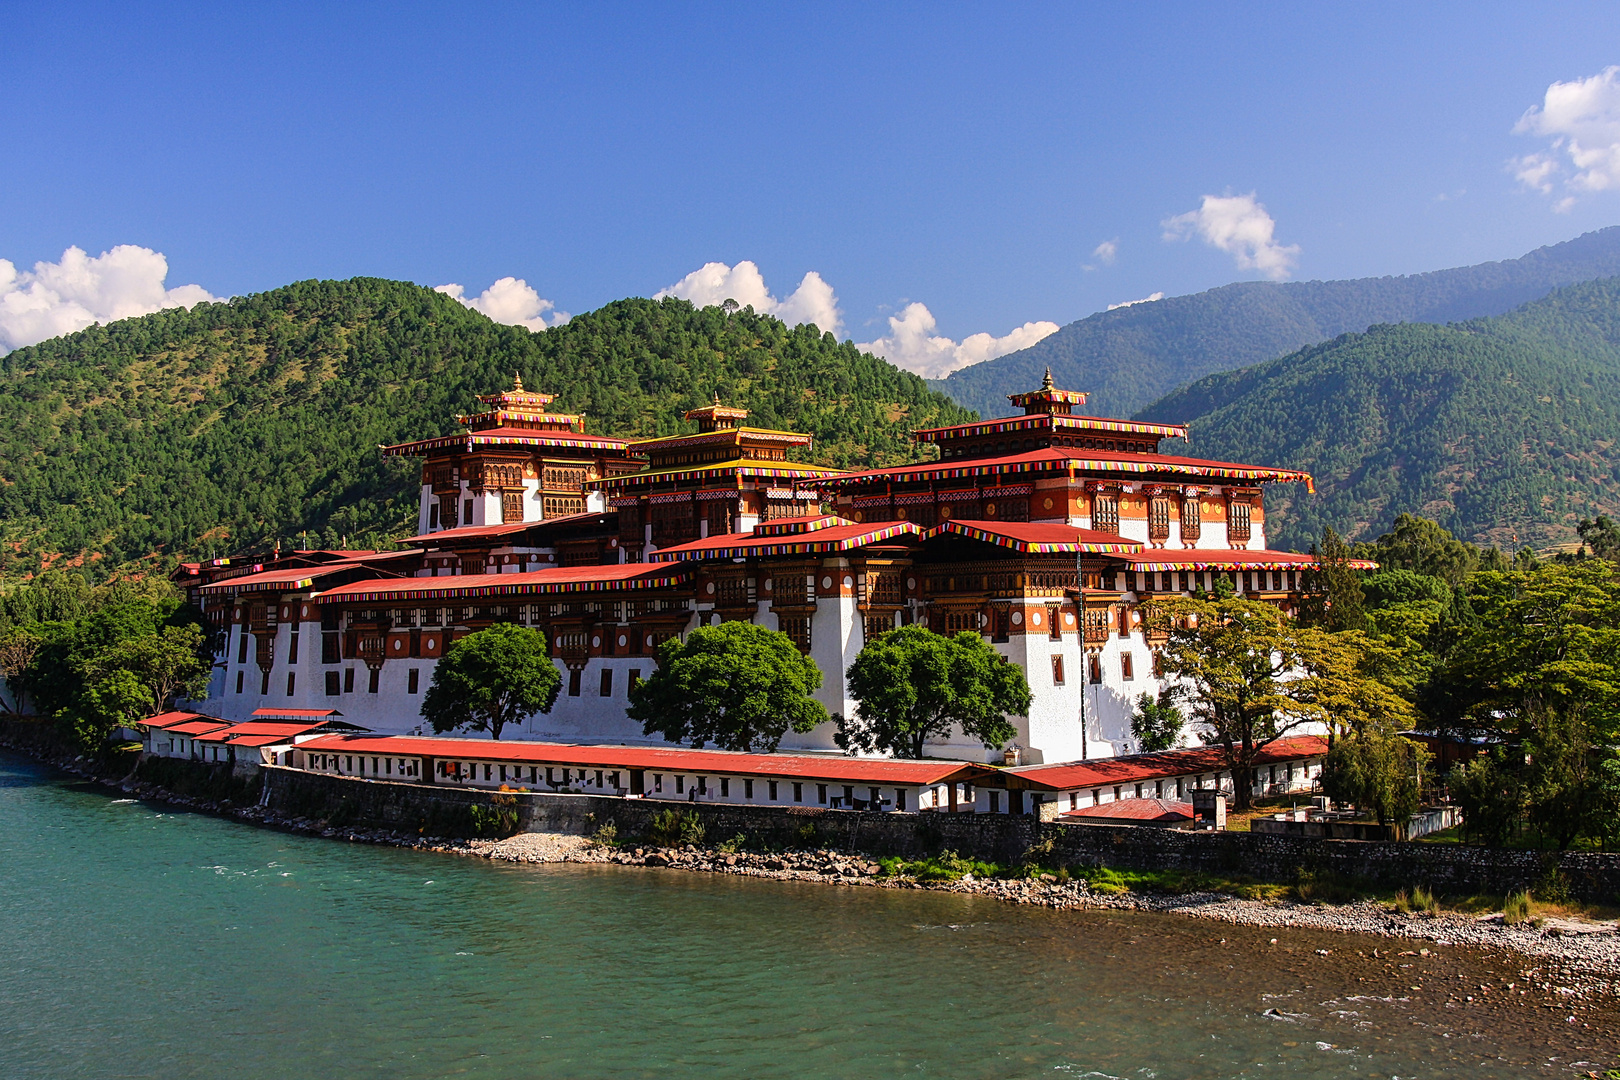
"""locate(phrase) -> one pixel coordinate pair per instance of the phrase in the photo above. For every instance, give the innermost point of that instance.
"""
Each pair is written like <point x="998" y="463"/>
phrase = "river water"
<point x="140" y="942"/>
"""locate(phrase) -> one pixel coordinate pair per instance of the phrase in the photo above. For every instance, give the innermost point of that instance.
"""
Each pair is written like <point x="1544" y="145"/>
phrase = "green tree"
<point x="1601" y="537"/>
<point x="490" y="679"/>
<point x="737" y="685"/>
<point x="1249" y="675"/>
<point x="1156" y="723"/>
<point x="1378" y="771"/>
<point x="1490" y="793"/>
<point x="19" y="645"/>
<point x="1334" y="600"/>
<point x="911" y="685"/>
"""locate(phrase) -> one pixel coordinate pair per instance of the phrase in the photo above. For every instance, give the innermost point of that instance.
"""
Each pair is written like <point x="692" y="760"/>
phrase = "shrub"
<point x="498" y="819"/>
<point x="732" y="846"/>
<point x="1516" y="908"/>
<point x="671" y="828"/>
<point x="1423" y="900"/>
<point x="606" y="836"/>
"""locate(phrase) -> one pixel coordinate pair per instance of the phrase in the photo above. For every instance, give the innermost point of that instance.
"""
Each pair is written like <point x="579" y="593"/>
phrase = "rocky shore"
<point x="1573" y="959"/>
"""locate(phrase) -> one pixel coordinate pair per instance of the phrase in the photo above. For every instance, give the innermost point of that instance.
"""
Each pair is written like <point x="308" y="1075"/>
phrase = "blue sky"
<point x="967" y="158"/>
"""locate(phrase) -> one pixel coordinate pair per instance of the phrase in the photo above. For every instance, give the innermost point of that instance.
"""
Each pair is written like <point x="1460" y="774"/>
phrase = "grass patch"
<point x="1516" y="908"/>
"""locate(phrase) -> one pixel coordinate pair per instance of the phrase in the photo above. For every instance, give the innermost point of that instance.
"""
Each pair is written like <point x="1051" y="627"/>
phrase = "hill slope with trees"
<point x="1134" y="355"/>
<point x="1501" y="429"/>
<point x="238" y="424"/>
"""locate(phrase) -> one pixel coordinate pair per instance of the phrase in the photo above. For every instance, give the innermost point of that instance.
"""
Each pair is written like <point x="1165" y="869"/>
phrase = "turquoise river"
<point x="140" y="942"/>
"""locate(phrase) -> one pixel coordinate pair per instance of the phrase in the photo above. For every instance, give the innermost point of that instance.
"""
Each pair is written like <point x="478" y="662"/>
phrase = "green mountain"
<point x="1504" y="430"/>
<point x="1134" y="355"/>
<point x="236" y="424"/>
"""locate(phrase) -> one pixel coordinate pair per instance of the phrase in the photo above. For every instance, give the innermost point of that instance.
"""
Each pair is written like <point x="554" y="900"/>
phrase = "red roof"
<point x="167" y="720"/>
<point x="1161" y="810"/>
<point x="1216" y="559"/>
<point x="553" y="580"/>
<point x="274" y="732"/>
<point x="1055" y="458"/>
<point x="300" y="714"/>
<point x="479" y="532"/>
<point x="1029" y="422"/>
<point x="295" y="578"/>
<point x="1036" y="537"/>
<point x="833" y="538"/>
<point x="810" y="767"/>
<point x="505" y="436"/>
<point x="1105" y="772"/>
<point x="196" y="727"/>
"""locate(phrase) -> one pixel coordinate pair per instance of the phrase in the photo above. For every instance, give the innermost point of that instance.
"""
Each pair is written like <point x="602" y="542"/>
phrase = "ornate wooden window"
<point x="503" y="476"/>
<point x="798" y="629"/>
<point x="1237" y="521"/>
<point x="1159" y="518"/>
<point x="1096" y="625"/>
<point x="732" y="592"/>
<point x="561" y="506"/>
<point x="1192" y="522"/>
<point x="472" y="564"/>
<point x="1057" y="671"/>
<point x="873" y="625"/>
<point x="511" y="506"/>
<point x="722" y="515"/>
<point x="1105" y="511"/>
<point x="1054" y="628"/>
<point x="673" y="523"/>
<point x="957" y="621"/>
<point x="447" y="511"/>
<point x="883" y="588"/>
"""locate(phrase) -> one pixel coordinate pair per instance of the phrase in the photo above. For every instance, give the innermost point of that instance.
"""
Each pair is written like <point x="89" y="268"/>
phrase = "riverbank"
<point x="1571" y="961"/>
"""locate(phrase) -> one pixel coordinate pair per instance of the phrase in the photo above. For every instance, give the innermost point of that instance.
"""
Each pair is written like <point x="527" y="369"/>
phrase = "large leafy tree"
<point x="1377" y="770"/>
<point x="737" y="685"/>
<point x="1538" y="671"/>
<point x="912" y="685"/>
<point x="492" y="678"/>
<point x="1247" y="675"/>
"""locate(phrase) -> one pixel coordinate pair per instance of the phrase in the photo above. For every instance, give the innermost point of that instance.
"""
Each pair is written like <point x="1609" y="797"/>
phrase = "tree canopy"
<point x="736" y="684"/>
<point x="492" y="678"/>
<point x="912" y="685"/>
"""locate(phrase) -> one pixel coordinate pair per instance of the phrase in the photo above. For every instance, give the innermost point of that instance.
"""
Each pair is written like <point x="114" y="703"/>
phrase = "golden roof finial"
<point x="717" y="397"/>
<point x="517" y="380"/>
<point x="1046" y="383"/>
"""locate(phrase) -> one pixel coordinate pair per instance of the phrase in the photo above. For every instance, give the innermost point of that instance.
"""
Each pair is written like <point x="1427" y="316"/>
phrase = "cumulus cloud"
<point x="1582" y="120"/>
<point x="715" y="283"/>
<point x="1240" y="226"/>
<point x="511" y="301"/>
<point x="1133" y="303"/>
<point x="912" y="344"/>
<point x="78" y="291"/>
<point x="1105" y="253"/>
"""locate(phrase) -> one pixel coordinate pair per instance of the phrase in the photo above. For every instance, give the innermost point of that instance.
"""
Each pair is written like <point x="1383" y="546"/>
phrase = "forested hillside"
<point x="1134" y="355"/>
<point x="1502" y="429"/>
<point x="237" y="424"/>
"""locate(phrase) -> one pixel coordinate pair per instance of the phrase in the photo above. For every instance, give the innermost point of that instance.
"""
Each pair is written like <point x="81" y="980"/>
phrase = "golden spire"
<point x="1046" y="383"/>
<point x="517" y="380"/>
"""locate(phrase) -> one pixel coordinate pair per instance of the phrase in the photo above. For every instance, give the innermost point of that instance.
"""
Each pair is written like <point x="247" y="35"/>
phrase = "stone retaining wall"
<point x="1450" y="868"/>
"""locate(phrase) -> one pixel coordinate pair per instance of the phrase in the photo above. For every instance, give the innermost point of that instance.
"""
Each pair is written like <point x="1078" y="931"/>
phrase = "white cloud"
<point x="1582" y="118"/>
<point x="912" y="344"/>
<point x="1133" y="303"/>
<point x="715" y="283"/>
<point x="1240" y="226"/>
<point x="63" y="297"/>
<point x="1106" y="252"/>
<point x="511" y="301"/>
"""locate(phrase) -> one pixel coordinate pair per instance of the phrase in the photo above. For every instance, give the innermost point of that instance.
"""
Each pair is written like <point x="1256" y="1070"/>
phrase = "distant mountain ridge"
<point x="1131" y="356"/>
<point x="1505" y="430"/>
